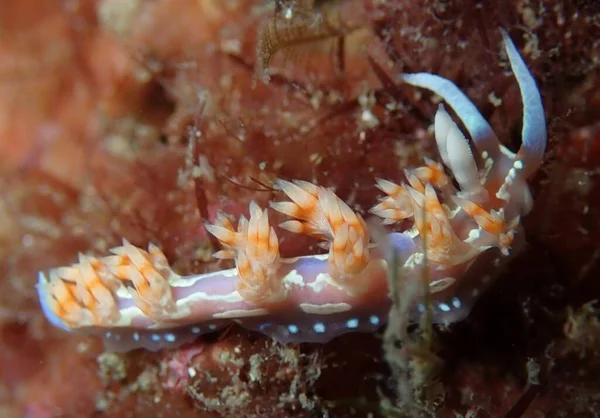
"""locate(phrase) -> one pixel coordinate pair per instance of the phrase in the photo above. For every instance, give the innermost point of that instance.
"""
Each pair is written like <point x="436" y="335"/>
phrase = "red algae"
<point x="142" y="121"/>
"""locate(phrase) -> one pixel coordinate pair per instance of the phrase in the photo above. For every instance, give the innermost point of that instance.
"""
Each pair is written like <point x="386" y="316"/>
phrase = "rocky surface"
<point x="140" y="119"/>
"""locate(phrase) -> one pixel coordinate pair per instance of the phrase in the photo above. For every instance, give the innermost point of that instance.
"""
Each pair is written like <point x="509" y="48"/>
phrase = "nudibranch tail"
<point x="134" y="299"/>
<point x="50" y="307"/>
<point x="85" y="294"/>
<point x="459" y="234"/>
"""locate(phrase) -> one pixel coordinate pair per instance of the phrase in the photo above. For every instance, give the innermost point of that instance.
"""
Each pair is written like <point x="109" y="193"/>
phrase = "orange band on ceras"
<point x="320" y="213"/>
<point x="84" y="294"/>
<point x="255" y="248"/>
<point x="149" y="273"/>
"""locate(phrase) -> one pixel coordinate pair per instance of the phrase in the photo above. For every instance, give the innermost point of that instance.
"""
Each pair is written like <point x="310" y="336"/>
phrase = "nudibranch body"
<point x="461" y="235"/>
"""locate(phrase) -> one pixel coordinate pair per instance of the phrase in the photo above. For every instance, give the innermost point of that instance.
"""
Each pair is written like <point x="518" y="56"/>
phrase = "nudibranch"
<point x="464" y="213"/>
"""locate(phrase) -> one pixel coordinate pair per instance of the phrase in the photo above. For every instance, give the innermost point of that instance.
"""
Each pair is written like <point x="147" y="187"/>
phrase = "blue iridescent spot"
<point x="352" y="323"/>
<point x="319" y="327"/>
<point x="456" y="302"/>
<point x="293" y="328"/>
<point x="444" y="307"/>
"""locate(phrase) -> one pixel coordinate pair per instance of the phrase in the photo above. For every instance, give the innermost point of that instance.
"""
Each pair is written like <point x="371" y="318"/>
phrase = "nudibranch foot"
<point x="120" y="340"/>
<point x="292" y="329"/>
